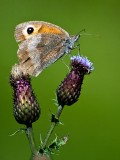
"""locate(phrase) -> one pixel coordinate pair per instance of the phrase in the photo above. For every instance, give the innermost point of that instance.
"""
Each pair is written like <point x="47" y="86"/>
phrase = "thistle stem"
<point x="53" y="124"/>
<point x="30" y="136"/>
<point x="40" y="157"/>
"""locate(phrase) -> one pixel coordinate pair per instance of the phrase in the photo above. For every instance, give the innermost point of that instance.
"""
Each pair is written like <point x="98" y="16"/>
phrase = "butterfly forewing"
<point x="37" y="53"/>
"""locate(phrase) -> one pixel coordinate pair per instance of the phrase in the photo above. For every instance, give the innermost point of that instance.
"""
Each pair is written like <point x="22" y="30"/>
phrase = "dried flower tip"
<point x="16" y="71"/>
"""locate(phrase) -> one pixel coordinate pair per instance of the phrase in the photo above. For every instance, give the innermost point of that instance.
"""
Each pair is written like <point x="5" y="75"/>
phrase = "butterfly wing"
<point x="39" y="27"/>
<point x="38" y="52"/>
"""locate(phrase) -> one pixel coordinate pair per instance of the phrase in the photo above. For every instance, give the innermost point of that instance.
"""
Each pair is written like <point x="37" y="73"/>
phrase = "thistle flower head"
<point x="26" y="107"/>
<point x="81" y="64"/>
<point x="69" y="90"/>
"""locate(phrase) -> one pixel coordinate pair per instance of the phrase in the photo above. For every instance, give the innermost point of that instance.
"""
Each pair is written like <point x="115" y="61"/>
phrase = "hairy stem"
<point x="30" y="136"/>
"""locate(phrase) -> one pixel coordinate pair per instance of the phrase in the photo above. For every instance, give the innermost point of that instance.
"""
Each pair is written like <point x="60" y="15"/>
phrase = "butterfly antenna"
<point x="79" y="33"/>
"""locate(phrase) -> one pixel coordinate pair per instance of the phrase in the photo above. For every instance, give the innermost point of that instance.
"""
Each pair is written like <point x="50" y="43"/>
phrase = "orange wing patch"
<point x="49" y="30"/>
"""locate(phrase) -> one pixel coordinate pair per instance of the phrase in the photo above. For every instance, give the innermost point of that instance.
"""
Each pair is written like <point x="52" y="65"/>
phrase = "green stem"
<point x="30" y="136"/>
<point x="60" y="108"/>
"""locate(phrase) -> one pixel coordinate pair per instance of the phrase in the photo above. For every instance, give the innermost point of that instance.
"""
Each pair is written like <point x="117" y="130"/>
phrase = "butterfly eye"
<point x="30" y="30"/>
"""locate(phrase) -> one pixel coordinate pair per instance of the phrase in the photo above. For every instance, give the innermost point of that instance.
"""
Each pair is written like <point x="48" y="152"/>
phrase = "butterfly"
<point x="40" y="44"/>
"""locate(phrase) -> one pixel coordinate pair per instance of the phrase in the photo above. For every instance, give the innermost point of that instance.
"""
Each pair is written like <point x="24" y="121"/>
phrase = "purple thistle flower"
<point x="69" y="90"/>
<point x="83" y="64"/>
<point x="26" y="107"/>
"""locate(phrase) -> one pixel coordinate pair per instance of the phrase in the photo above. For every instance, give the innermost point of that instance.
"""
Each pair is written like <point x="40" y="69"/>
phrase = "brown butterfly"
<point x="41" y="44"/>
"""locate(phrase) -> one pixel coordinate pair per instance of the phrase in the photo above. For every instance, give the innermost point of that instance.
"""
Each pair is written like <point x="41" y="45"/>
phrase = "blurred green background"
<point x="93" y="123"/>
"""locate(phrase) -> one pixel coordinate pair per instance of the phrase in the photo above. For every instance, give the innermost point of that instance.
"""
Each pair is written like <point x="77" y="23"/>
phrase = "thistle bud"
<point x="26" y="107"/>
<point x="69" y="90"/>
